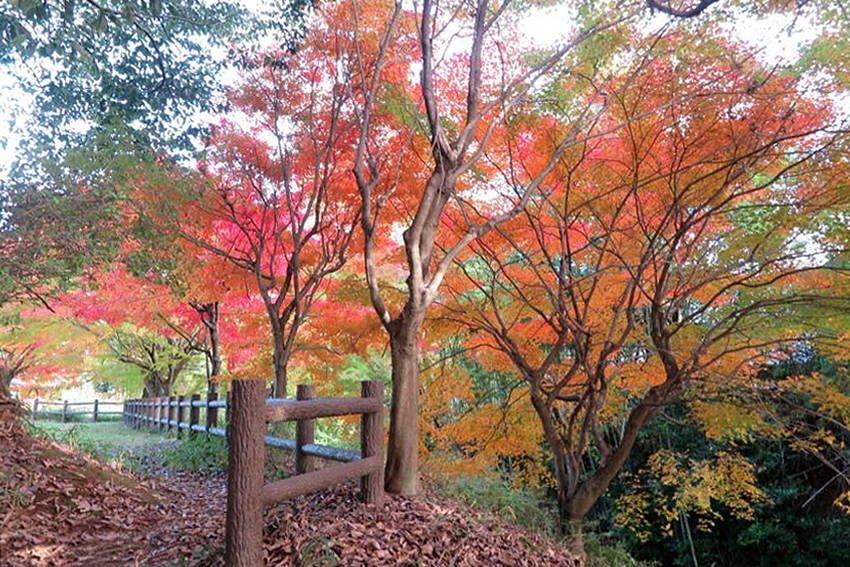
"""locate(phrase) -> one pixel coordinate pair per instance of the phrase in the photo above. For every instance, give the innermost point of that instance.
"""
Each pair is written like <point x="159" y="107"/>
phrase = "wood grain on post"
<point x="94" y="412"/>
<point x="212" y="413"/>
<point x="226" y="414"/>
<point x="305" y="433"/>
<point x="319" y="480"/>
<point x="65" y="411"/>
<point x="194" y="414"/>
<point x="181" y="415"/>
<point x="372" y="443"/>
<point x="170" y="414"/>
<point x="246" y="453"/>
<point x="320" y="407"/>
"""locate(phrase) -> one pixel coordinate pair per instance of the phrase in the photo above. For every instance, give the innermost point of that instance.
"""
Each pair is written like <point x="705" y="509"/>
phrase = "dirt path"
<point x="68" y="509"/>
<point x="63" y="508"/>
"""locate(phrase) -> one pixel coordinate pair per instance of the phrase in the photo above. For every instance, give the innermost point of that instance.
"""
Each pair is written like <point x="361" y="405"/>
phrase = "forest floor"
<point x="59" y="506"/>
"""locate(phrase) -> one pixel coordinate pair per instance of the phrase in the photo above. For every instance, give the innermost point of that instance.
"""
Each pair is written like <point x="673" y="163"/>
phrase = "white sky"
<point x="544" y="27"/>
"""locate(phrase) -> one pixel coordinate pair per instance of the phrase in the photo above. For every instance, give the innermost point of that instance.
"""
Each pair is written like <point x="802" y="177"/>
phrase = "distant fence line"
<point x="64" y="414"/>
<point x="181" y="414"/>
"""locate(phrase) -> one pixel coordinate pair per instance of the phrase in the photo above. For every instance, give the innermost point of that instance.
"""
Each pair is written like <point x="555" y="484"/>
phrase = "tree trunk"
<point x="5" y="386"/>
<point x="402" y="472"/>
<point x="280" y="377"/>
<point x="215" y="350"/>
<point x="280" y="362"/>
<point x="570" y="526"/>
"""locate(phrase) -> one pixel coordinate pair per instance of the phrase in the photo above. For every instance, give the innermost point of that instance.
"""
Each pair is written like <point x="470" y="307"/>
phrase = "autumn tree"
<point x="667" y="260"/>
<point x="479" y="101"/>
<point x="150" y="328"/>
<point x="273" y="200"/>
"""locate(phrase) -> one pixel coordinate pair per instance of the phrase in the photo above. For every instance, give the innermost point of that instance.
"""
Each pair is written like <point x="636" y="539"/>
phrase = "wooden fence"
<point x="181" y="414"/>
<point x="71" y="410"/>
<point x="247" y="492"/>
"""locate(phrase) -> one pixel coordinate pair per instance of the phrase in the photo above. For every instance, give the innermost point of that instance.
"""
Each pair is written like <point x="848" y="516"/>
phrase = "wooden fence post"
<point x="194" y="413"/>
<point x="94" y="412"/>
<point x="65" y="411"/>
<point x="372" y="444"/>
<point x="246" y="453"/>
<point x="169" y="413"/>
<point x="158" y="409"/>
<point x="227" y="401"/>
<point x="212" y="413"/>
<point x="181" y="414"/>
<point x="305" y="433"/>
<point x="35" y="409"/>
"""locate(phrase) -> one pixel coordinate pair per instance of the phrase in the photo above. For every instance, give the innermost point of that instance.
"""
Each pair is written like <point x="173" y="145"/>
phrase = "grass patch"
<point x="533" y="510"/>
<point x="524" y="507"/>
<point x="605" y="551"/>
<point x="113" y="442"/>
<point x="199" y="453"/>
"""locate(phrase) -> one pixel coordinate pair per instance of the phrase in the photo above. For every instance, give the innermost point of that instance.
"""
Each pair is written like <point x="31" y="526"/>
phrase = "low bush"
<point x="199" y="453"/>
<point x="524" y="507"/>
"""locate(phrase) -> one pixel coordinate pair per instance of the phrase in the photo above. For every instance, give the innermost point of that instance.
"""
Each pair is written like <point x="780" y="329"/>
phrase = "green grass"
<point x="150" y="451"/>
<point x="532" y="510"/>
<point x="113" y="434"/>
<point x="113" y="442"/>
<point x="520" y="506"/>
<point x="200" y="453"/>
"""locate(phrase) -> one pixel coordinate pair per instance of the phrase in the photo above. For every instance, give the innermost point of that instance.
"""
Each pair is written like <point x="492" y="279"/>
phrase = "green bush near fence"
<point x="199" y="453"/>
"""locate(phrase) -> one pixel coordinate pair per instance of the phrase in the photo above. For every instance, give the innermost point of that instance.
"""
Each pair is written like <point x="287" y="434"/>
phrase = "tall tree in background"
<point x="474" y="107"/>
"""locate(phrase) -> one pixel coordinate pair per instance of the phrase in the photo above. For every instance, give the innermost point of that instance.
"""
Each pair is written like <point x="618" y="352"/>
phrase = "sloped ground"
<point x="58" y="507"/>
<point x="335" y="528"/>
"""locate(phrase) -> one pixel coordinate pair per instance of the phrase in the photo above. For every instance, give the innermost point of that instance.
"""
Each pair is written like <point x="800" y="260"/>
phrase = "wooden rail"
<point x="178" y="414"/>
<point x="250" y="413"/>
<point x="64" y="414"/>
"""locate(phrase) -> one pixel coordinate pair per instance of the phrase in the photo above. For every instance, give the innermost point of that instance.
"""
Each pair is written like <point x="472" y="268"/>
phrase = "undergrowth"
<point x="199" y="453"/>
<point x="524" y="507"/>
<point x="533" y="510"/>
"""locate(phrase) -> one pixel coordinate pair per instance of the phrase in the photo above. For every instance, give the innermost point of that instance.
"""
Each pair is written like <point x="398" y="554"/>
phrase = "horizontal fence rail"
<point x="180" y="414"/>
<point x="70" y="410"/>
<point x="247" y="493"/>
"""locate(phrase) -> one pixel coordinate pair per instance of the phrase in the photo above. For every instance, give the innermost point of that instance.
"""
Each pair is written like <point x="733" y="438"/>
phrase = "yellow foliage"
<point x="727" y="422"/>
<point x="673" y="486"/>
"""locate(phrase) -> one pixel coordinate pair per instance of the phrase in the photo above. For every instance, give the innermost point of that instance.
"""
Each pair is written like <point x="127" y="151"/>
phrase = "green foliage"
<point x="522" y="506"/>
<point x="605" y="550"/>
<point x="200" y="453"/>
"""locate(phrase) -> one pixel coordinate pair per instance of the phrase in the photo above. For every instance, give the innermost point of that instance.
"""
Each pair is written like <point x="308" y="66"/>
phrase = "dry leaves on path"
<point x="63" y="508"/>
<point x="60" y="508"/>
<point x="335" y="528"/>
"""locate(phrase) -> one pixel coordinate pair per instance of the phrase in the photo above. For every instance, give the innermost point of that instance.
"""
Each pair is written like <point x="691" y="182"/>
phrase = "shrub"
<point x="521" y="506"/>
<point x="200" y="453"/>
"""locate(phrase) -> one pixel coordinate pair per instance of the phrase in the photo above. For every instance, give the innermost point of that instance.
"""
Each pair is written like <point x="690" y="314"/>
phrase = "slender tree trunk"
<point x="402" y="472"/>
<point x="215" y="351"/>
<point x="5" y="386"/>
<point x="570" y="526"/>
<point x="280" y="363"/>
